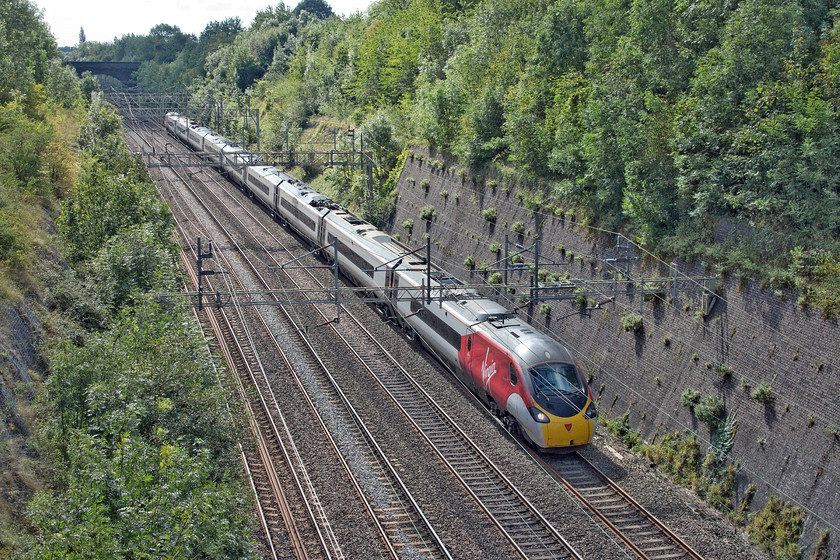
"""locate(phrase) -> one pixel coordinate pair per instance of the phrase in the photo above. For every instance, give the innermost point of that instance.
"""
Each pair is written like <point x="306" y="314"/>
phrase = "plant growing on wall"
<point x="428" y="212"/>
<point x="710" y="411"/>
<point x="690" y="397"/>
<point x="762" y="393"/>
<point x="632" y="322"/>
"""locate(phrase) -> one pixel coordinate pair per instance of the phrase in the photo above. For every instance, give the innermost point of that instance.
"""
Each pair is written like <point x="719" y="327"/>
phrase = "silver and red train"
<point x="527" y="378"/>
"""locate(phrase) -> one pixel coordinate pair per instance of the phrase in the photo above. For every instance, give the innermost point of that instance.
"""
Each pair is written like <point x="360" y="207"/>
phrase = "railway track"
<point x="646" y="536"/>
<point x="406" y="531"/>
<point x="528" y="531"/>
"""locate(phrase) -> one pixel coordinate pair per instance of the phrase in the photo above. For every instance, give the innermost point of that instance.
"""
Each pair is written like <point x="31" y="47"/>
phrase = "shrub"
<point x="762" y="393"/>
<point x="495" y="247"/>
<point x="408" y="224"/>
<point x="425" y="183"/>
<point x="444" y="193"/>
<point x="469" y="262"/>
<point x="690" y="397"/>
<point x="545" y="309"/>
<point x="777" y="528"/>
<point x="518" y="227"/>
<point x="489" y="214"/>
<point x="710" y="411"/>
<point x="428" y="212"/>
<point x="495" y="278"/>
<point x="724" y="371"/>
<point x="631" y="322"/>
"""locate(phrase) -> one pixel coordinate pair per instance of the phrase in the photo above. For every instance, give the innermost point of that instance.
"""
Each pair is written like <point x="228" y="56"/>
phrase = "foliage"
<point x="489" y="214"/>
<point x="106" y="202"/>
<point x="777" y="529"/>
<point x="26" y="49"/>
<point x="632" y="322"/>
<point x="690" y="397"/>
<point x="152" y="424"/>
<point x="710" y="410"/>
<point x="818" y="277"/>
<point x="428" y="212"/>
<point x="763" y="393"/>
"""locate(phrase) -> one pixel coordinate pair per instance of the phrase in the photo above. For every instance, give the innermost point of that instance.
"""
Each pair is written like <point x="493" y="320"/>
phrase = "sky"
<point x="105" y="20"/>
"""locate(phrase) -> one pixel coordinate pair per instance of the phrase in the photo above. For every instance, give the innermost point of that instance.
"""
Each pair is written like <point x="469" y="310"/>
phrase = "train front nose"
<point x="571" y="431"/>
<point x="566" y="432"/>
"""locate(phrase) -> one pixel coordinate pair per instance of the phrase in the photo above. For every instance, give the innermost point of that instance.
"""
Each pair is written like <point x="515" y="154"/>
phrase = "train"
<point x="530" y="381"/>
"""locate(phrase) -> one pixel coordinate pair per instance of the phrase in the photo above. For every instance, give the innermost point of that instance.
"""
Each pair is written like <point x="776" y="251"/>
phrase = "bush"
<point x="518" y="227"/>
<point x="408" y="224"/>
<point x="469" y="262"/>
<point x="495" y="278"/>
<point x="489" y="214"/>
<point x="631" y="322"/>
<point x="545" y="309"/>
<point x="495" y="247"/>
<point x="762" y="393"/>
<point x="428" y="212"/>
<point x="690" y="397"/>
<point x="777" y="529"/>
<point x="710" y="411"/>
<point x="425" y="183"/>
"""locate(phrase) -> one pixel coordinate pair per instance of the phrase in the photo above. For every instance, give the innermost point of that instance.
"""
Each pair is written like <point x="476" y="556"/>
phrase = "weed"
<point x="631" y="322"/>
<point x="762" y="393"/>
<point x="428" y="212"/>
<point x="777" y="528"/>
<point x="690" y="397"/>
<point x="710" y="410"/>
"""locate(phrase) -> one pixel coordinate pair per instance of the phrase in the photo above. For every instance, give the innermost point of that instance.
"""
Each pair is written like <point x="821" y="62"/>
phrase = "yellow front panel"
<point x="562" y="432"/>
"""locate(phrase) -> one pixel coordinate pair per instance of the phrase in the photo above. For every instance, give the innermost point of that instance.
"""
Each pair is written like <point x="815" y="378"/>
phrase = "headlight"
<point x="591" y="412"/>
<point x="539" y="415"/>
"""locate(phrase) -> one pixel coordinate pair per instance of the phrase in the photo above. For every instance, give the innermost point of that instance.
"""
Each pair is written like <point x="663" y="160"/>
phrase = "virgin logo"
<point x="487" y="370"/>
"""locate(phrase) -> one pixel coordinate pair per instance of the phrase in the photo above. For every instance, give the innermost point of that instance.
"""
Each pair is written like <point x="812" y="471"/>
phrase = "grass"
<point x="777" y="529"/>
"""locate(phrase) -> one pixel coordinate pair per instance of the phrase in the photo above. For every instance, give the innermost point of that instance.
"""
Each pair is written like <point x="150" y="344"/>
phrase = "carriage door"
<point x="392" y="282"/>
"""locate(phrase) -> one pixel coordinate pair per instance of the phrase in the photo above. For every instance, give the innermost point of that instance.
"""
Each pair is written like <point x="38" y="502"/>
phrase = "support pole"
<point x="335" y="273"/>
<point x="428" y="271"/>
